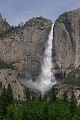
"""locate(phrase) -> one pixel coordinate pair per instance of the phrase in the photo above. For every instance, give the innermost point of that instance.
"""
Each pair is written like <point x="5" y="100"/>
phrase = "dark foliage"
<point x="4" y="65"/>
<point x="38" y="109"/>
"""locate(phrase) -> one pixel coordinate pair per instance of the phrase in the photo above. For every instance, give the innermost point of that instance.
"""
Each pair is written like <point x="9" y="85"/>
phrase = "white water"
<point x="46" y="77"/>
<point x="45" y="80"/>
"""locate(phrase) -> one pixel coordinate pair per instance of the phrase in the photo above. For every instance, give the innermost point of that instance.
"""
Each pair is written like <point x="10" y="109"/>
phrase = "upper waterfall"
<point x="46" y="77"/>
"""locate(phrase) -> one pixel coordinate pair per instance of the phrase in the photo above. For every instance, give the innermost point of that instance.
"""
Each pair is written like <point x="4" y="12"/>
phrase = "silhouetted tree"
<point x="53" y="94"/>
<point x="6" y="99"/>
<point x="27" y="93"/>
<point x="3" y="103"/>
<point x="9" y="95"/>
<point x="65" y="97"/>
<point x="33" y="98"/>
<point x="46" y="113"/>
<point x="45" y="97"/>
<point x="73" y="103"/>
<point x="40" y="98"/>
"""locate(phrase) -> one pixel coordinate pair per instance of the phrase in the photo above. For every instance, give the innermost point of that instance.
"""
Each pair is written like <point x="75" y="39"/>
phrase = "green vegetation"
<point x="65" y="97"/>
<point x="4" y="33"/>
<point x="73" y="77"/>
<point x="77" y="114"/>
<point x="53" y="94"/>
<point x="4" y="65"/>
<point x="73" y="104"/>
<point x="6" y="99"/>
<point x="38" y="109"/>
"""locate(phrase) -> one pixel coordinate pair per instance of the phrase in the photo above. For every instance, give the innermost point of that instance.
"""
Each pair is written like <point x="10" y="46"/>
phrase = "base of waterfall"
<point x="41" y="87"/>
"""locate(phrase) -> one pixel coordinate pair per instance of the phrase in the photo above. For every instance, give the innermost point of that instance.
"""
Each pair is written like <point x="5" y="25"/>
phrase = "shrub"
<point x="4" y="65"/>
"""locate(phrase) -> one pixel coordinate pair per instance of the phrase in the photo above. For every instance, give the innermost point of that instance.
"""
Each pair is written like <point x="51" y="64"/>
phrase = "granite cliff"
<point x="22" y="47"/>
<point x="66" y="42"/>
<point x="66" y="53"/>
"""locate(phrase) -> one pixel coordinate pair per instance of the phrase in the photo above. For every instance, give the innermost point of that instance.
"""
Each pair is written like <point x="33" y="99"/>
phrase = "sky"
<point x="17" y="11"/>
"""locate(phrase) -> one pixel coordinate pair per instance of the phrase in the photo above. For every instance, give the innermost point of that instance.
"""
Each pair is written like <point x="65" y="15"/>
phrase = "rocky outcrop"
<point x="4" y="26"/>
<point x="66" y="42"/>
<point x="9" y="76"/>
<point x="62" y="88"/>
<point x="22" y="48"/>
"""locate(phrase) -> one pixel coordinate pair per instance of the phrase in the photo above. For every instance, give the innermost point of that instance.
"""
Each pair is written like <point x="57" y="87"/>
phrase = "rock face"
<point x="9" y="76"/>
<point x="4" y="26"/>
<point x="23" y="47"/>
<point x="62" y="88"/>
<point x="66" y="42"/>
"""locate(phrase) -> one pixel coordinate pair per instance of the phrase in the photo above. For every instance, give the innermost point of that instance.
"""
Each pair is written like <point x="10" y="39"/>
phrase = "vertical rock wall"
<point x="66" y="41"/>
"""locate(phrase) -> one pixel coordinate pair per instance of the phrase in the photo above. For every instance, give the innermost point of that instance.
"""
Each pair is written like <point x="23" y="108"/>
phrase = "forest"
<point x="40" y="108"/>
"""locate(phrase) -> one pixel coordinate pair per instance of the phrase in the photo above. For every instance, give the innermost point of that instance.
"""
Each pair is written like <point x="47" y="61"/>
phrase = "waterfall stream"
<point x="46" y="79"/>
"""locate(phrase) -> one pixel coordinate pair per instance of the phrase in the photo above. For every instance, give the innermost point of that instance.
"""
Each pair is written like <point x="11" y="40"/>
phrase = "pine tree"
<point x="33" y="98"/>
<point x="3" y="103"/>
<point x="40" y="98"/>
<point x="53" y="94"/>
<point x="73" y="103"/>
<point x="27" y="93"/>
<point x="45" y="97"/>
<point x="9" y="95"/>
<point x="6" y="99"/>
<point x="46" y="112"/>
<point x="65" y="97"/>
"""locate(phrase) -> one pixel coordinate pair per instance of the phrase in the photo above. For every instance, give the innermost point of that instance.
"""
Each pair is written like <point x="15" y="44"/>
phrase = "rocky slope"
<point x="22" y="48"/>
<point x="66" y="42"/>
<point x="9" y="76"/>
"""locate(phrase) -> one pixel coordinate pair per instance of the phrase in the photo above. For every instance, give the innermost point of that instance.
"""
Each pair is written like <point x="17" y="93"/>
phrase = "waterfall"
<point x="46" y="79"/>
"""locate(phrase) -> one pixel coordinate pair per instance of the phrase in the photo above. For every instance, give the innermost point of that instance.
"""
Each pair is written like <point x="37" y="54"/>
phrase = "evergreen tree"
<point x="27" y="92"/>
<point x="53" y="94"/>
<point x="46" y="112"/>
<point x="9" y="95"/>
<point x="33" y="98"/>
<point x="40" y="98"/>
<point x="65" y="97"/>
<point x="13" y="113"/>
<point x="77" y="113"/>
<point x="3" y="103"/>
<point x="6" y="99"/>
<point x="12" y="28"/>
<point x="45" y="97"/>
<point x="73" y="103"/>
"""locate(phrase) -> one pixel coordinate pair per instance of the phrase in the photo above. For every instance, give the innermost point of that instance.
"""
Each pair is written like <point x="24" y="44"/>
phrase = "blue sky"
<point x="16" y="11"/>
